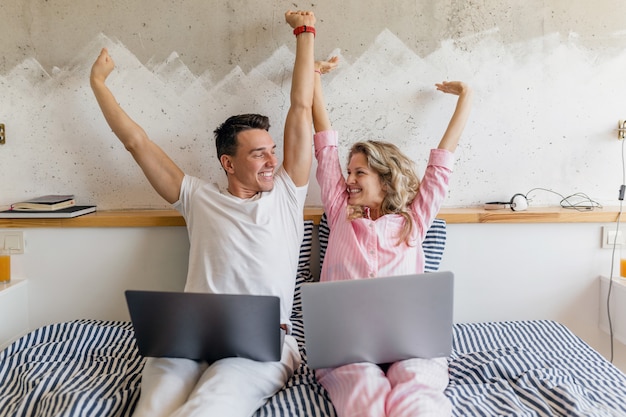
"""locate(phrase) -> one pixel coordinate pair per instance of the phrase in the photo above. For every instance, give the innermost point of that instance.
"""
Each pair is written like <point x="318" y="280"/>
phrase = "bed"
<point x="514" y="368"/>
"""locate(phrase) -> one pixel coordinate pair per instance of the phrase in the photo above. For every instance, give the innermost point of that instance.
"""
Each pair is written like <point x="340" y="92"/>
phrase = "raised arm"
<point x="457" y="123"/>
<point x="321" y="121"/>
<point x="162" y="173"/>
<point x="298" y="152"/>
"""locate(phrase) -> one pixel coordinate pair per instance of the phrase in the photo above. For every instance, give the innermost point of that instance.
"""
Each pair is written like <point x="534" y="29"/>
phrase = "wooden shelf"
<point x="104" y="218"/>
<point x="532" y="215"/>
<point x="168" y="218"/>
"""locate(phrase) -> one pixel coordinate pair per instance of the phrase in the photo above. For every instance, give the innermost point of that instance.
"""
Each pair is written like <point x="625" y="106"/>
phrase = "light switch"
<point x="14" y="241"/>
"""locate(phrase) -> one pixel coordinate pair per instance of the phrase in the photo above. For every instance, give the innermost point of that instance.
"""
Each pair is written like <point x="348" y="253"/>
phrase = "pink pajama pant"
<point x="410" y="388"/>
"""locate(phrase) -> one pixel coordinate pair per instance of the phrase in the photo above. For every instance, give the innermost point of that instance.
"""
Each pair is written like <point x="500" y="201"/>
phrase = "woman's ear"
<point x="383" y="184"/>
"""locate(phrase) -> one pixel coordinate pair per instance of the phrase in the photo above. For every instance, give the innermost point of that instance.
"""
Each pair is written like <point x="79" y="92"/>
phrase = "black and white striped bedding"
<point x="78" y="368"/>
<point x="530" y="368"/>
<point x="526" y="368"/>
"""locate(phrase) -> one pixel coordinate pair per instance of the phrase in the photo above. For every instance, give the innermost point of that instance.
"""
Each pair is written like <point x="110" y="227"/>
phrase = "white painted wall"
<point x="83" y="273"/>
<point x="503" y="272"/>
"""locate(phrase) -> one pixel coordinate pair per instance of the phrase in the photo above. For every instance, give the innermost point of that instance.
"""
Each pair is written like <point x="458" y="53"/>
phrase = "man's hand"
<point x="102" y="67"/>
<point x="300" y="18"/>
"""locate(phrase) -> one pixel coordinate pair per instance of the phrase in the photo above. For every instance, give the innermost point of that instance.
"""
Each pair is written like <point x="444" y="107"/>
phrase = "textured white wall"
<point x="548" y="78"/>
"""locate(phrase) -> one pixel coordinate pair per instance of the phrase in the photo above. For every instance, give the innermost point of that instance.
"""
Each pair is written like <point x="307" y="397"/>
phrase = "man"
<point x="244" y="239"/>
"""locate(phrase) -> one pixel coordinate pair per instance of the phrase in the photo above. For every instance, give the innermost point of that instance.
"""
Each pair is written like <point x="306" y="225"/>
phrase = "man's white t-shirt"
<point x="244" y="246"/>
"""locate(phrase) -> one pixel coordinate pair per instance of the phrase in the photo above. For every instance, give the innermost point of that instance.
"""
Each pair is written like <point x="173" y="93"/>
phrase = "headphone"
<point x="518" y="202"/>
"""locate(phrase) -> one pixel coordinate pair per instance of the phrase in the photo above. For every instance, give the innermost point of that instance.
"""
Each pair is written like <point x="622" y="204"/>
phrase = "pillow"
<point x="304" y="266"/>
<point x="433" y="245"/>
<point x="323" y="233"/>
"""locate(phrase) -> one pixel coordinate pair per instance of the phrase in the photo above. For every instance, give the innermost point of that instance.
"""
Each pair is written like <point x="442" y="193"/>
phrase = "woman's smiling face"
<point x="364" y="186"/>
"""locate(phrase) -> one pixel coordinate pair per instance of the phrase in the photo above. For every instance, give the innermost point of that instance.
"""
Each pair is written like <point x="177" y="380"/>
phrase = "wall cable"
<point x="577" y="201"/>
<point x="622" y="190"/>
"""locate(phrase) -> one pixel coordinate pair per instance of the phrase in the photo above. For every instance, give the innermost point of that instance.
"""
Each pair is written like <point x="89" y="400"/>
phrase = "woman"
<point x="378" y="217"/>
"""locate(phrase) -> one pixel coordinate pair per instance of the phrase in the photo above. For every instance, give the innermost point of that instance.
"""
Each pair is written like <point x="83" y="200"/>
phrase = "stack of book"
<point x="51" y="206"/>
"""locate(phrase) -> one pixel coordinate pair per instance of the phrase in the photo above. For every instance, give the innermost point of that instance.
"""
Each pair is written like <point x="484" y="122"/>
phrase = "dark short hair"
<point x="226" y="133"/>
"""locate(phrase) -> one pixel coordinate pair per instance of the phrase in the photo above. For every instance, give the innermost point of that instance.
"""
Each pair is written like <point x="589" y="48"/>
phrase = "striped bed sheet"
<point x="523" y="368"/>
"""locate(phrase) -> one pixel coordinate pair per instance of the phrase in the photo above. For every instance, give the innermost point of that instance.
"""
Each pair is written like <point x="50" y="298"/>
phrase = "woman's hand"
<point x="452" y="87"/>
<point x="324" y="67"/>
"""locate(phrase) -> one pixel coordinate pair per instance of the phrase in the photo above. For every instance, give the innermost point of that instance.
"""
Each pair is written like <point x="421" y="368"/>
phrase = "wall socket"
<point x="3" y="137"/>
<point x="609" y="238"/>
<point x="13" y="241"/>
<point x="621" y="129"/>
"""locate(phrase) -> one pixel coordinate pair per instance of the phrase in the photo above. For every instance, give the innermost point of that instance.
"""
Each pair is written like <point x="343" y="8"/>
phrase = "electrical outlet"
<point x="612" y="237"/>
<point x="621" y="129"/>
<point x="3" y="137"/>
<point x="13" y="241"/>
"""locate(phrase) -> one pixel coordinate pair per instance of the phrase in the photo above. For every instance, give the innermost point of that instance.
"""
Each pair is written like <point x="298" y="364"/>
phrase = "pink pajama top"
<point x="364" y="248"/>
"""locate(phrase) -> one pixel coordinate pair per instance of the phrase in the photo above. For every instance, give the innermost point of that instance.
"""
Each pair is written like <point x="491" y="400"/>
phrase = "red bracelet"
<point x="303" y="29"/>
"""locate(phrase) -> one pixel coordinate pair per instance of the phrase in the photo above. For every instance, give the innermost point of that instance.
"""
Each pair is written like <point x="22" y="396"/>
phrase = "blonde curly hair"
<point x="397" y="175"/>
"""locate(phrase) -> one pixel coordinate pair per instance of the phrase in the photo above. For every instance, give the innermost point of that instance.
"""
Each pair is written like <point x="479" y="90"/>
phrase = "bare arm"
<point x="321" y="121"/>
<point x="298" y="152"/>
<point x="457" y="123"/>
<point x="162" y="173"/>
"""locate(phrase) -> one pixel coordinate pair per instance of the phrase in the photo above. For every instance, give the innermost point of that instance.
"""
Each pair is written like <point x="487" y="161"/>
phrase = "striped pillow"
<point x="304" y="267"/>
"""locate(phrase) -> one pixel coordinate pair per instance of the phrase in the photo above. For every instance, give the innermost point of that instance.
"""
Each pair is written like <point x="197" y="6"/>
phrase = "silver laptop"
<point x="204" y="326"/>
<point x="378" y="320"/>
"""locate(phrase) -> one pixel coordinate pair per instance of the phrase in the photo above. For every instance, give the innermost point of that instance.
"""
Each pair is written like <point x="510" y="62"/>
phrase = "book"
<point x="67" y="212"/>
<point x="45" y="203"/>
